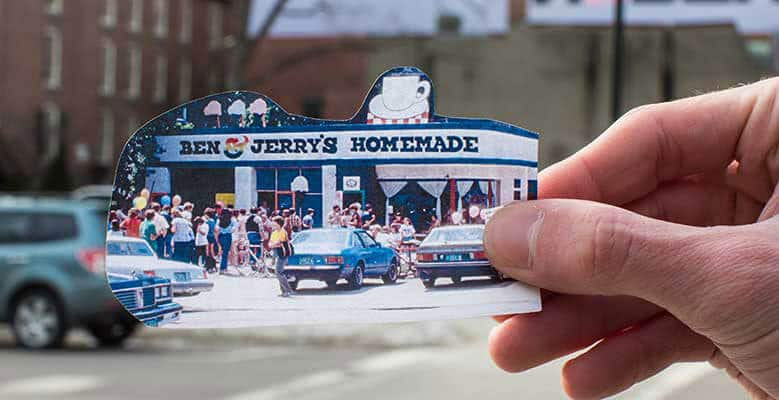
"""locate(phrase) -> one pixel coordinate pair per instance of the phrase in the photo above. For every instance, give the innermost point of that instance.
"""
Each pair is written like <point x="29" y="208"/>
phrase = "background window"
<point x="53" y="7"/>
<point x="185" y="81"/>
<point x="160" y="79"/>
<point x="160" y="18"/>
<point x="135" y="66"/>
<point x="214" y="25"/>
<point x="136" y="16"/>
<point x="107" y="132"/>
<point x="52" y="122"/>
<point x="108" y="83"/>
<point x="110" y="13"/>
<point x="185" y="27"/>
<point x="52" y="58"/>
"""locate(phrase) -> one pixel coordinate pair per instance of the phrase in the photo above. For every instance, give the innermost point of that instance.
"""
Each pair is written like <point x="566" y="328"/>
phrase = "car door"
<point x="374" y="260"/>
<point x="15" y="236"/>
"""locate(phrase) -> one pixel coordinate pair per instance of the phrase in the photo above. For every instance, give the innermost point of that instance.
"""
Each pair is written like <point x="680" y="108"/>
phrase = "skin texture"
<point x="659" y="241"/>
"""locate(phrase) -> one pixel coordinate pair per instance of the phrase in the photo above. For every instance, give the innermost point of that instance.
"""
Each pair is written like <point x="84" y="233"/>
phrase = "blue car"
<point x="331" y="254"/>
<point x="148" y="298"/>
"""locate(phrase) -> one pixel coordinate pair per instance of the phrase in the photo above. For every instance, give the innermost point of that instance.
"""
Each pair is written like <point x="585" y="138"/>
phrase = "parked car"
<point x="148" y="298"/>
<point x="331" y="254"/>
<point x="454" y="252"/>
<point x="128" y="256"/>
<point x="52" y="273"/>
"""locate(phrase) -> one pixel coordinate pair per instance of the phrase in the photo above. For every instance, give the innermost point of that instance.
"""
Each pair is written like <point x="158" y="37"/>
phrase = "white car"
<point x="131" y="256"/>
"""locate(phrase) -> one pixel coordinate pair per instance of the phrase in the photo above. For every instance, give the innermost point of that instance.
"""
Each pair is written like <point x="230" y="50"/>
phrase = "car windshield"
<point x="464" y="234"/>
<point x="128" y="249"/>
<point x="316" y="238"/>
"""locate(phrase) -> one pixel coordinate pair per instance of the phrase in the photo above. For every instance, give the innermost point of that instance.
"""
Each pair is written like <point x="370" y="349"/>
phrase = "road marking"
<point x="51" y="385"/>
<point x="295" y="388"/>
<point x="673" y="379"/>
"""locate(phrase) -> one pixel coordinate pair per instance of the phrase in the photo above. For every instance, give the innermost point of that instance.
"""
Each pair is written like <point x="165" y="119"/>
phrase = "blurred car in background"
<point x="454" y="252"/>
<point x="331" y="254"/>
<point x="52" y="273"/>
<point x="130" y="256"/>
<point x="148" y="298"/>
<point x="98" y="194"/>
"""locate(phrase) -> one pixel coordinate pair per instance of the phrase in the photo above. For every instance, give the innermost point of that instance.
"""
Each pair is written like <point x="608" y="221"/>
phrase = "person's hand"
<point x="666" y="251"/>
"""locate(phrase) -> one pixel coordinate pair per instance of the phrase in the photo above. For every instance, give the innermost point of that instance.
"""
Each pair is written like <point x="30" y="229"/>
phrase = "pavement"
<point x="239" y="301"/>
<point x="151" y="368"/>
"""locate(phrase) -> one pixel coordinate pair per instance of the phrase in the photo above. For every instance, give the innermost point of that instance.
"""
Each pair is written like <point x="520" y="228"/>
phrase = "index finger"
<point x="654" y="144"/>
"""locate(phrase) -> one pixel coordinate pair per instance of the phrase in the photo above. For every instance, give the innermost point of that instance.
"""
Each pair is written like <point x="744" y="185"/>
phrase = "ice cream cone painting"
<point x="213" y="108"/>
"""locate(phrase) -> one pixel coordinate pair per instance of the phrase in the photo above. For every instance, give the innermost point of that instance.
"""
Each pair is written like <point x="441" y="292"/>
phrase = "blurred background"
<point x="77" y="77"/>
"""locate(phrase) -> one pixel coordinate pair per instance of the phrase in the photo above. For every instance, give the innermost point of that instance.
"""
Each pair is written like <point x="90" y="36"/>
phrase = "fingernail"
<point x="510" y="236"/>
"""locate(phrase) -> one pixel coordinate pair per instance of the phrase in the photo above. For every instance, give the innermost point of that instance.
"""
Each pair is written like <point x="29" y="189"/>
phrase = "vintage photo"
<point x="246" y="215"/>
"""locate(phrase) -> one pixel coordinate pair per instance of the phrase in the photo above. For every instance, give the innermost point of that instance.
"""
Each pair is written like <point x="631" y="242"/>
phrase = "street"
<point x="244" y="301"/>
<point x="150" y="369"/>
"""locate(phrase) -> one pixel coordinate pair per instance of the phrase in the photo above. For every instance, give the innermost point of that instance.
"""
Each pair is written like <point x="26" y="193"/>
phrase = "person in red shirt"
<point x="132" y="224"/>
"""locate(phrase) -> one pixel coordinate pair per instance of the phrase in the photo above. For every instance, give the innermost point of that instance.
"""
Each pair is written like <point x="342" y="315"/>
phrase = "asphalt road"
<point x="243" y="301"/>
<point x="166" y="370"/>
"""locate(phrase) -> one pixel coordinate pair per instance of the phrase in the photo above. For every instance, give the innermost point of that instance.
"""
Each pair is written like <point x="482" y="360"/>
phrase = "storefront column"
<point x="328" y="191"/>
<point x="245" y="187"/>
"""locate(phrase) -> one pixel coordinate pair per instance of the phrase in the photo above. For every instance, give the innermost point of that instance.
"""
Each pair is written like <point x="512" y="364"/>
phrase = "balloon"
<point x="145" y="194"/>
<point x="139" y="202"/>
<point x="165" y="200"/>
<point x="474" y="211"/>
<point x="176" y="200"/>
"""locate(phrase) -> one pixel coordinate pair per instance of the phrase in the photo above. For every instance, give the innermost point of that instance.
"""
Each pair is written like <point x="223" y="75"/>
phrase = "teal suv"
<point x="52" y="273"/>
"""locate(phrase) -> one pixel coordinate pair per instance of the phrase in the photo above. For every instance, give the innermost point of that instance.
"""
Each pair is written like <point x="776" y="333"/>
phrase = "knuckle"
<point x="611" y="246"/>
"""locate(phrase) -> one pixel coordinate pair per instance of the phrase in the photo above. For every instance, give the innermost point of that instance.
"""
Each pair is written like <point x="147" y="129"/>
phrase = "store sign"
<point x="392" y="143"/>
<point x="751" y="17"/>
<point x="351" y="183"/>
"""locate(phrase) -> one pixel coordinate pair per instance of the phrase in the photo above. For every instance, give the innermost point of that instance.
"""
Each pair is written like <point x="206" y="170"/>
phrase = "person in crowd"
<point x="132" y="224"/>
<point x="168" y="244"/>
<point x="266" y="228"/>
<point x="279" y="242"/>
<point x="407" y="230"/>
<point x="287" y="221"/>
<point x="263" y="209"/>
<point x="395" y="237"/>
<point x="334" y="217"/>
<point x="368" y="217"/>
<point x="201" y="240"/>
<point x="434" y="223"/>
<point x="295" y="221"/>
<point x="210" y="220"/>
<point x="162" y="226"/>
<point x="187" y="212"/>
<point x="115" y="230"/>
<point x="355" y="215"/>
<point x="253" y="231"/>
<point x="181" y="237"/>
<point x="148" y="231"/>
<point x="308" y="219"/>
<point x="224" y="230"/>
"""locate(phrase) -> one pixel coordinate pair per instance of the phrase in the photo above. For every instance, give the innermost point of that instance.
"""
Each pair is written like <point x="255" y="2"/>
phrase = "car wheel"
<point x="38" y="320"/>
<point x="498" y="278"/>
<point x="113" y="333"/>
<point x="428" y="282"/>
<point x="457" y="280"/>
<point x="357" y="277"/>
<point x="392" y="273"/>
<point x="332" y="284"/>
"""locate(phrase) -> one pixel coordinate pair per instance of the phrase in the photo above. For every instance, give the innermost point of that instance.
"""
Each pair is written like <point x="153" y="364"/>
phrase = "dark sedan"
<point x="454" y="252"/>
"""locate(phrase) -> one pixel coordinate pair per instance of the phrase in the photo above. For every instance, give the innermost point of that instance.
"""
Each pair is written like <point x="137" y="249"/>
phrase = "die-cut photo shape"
<point x="234" y="213"/>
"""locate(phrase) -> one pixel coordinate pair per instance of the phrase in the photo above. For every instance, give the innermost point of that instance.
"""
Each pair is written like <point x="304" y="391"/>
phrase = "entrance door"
<point x="354" y="197"/>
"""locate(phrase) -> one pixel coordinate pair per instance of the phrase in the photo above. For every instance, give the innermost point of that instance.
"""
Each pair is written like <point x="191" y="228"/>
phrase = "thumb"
<point x="582" y="247"/>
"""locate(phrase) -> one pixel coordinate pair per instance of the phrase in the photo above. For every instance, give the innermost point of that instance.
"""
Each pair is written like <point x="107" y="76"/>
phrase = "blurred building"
<point x="77" y="78"/>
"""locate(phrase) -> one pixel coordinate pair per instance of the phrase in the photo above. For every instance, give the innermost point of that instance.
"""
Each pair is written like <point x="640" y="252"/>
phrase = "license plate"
<point x="306" y="261"/>
<point x="182" y="277"/>
<point x="454" y="257"/>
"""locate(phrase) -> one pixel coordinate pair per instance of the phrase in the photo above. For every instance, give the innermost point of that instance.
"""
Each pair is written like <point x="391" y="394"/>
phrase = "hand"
<point x="667" y="251"/>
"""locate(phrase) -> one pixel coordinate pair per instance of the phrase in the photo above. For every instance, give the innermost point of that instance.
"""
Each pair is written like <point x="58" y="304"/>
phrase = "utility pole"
<point x="616" y="84"/>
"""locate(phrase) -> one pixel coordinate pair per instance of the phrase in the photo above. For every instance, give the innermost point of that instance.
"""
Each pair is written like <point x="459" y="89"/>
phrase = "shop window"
<point x="107" y="132"/>
<point x="314" y="177"/>
<point x="517" y="189"/>
<point x="52" y="58"/>
<point x="136" y="16"/>
<point x="266" y="179"/>
<point x="532" y="189"/>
